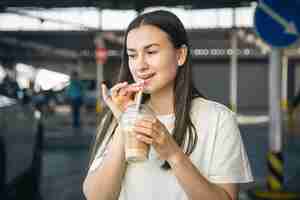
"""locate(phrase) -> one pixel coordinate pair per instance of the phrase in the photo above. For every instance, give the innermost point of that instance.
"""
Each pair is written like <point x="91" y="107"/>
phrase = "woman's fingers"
<point x="145" y="122"/>
<point x="147" y="128"/>
<point x="135" y="87"/>
<point x="116" y="88"/>
<point x="150" y="136"/>
<point x="155" y="134"/>
<point x="108" y="100"/>
<point x="122" y="89"/>
<point x="144" y="138"/>
<point x="120" y="95"/>
<point x="105" y="92"/>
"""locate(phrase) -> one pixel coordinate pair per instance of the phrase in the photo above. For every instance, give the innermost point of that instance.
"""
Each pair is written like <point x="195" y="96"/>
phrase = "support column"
<point x="234" y="66"/>
<point x="100" y="59"/>
<point x="275" y="188"/>
<point x="100" y="56"/>
<point x="275" y="160"/>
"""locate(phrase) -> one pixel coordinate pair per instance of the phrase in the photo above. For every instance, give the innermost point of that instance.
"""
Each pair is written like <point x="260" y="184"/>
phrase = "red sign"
<point x="101" y="55"/>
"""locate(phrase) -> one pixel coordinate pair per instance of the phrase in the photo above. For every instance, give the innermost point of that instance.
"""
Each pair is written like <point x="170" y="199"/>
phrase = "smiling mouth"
<point x="146" y="77"/>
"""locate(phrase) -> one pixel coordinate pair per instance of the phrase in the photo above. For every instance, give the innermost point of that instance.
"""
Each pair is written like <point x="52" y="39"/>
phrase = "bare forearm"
<point x="105" y="182"/>
<point x="195" y="185"/>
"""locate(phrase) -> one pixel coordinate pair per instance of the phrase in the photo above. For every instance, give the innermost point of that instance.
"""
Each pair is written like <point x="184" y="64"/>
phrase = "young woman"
<point x="196" y="148"/>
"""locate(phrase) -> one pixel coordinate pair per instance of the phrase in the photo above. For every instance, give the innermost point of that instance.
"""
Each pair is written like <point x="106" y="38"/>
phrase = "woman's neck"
<point x="162" y="103"/>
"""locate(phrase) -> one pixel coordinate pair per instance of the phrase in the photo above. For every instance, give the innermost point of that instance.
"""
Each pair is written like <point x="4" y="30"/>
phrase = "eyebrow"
<point x="146" y="47"/>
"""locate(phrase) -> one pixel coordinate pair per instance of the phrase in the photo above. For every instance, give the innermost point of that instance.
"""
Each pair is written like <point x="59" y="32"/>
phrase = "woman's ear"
<point x="182" y="55"/>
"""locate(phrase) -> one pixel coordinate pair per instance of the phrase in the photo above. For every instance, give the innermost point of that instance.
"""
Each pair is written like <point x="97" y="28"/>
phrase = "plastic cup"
<point x="135" y="150"/>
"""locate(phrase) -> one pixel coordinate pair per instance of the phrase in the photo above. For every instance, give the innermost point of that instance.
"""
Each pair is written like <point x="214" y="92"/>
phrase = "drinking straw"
<point x="138" y="100"/>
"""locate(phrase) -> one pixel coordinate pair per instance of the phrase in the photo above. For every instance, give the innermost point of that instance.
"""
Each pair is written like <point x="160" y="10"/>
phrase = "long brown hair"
<point x="184" y="132"/>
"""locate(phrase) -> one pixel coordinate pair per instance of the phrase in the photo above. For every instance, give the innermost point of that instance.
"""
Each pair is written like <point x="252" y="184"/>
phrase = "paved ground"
<point x="66" y="155"/>
<point x="67" y="152"/>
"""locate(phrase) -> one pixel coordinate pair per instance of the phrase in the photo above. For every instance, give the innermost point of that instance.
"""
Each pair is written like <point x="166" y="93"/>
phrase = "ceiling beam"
<point x="121" y="4"/>
<point x="40" y="48"/>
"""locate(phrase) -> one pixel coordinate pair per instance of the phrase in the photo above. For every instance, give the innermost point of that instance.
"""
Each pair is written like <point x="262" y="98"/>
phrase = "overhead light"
<point x="253" y="4"/>
<point x="241" y="33"/>
<point x="250" y="38"/>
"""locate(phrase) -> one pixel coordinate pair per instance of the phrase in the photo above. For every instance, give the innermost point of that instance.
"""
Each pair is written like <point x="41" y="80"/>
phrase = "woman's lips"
<point x="146" y="78"/>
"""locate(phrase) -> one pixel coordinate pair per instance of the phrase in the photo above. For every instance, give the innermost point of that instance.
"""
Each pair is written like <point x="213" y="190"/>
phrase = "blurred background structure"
<point x="41" y="42"/>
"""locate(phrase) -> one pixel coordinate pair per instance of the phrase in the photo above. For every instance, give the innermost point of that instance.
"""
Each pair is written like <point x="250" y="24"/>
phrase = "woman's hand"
<point x="153" y="132"/>
<point x="120" y="96"/>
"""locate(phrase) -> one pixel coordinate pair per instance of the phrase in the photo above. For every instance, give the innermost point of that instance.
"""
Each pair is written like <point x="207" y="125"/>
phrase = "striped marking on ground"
<point x="252" y="119"/>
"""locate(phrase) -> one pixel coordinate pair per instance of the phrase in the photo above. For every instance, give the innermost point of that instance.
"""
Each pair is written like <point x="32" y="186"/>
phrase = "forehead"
<point x="145" y="35"/>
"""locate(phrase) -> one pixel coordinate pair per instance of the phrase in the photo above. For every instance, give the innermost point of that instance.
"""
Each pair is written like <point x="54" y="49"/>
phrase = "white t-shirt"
<point x="219" y="156"/>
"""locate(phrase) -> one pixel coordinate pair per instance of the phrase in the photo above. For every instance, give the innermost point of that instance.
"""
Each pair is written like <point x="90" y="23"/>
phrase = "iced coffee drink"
<point x="135" y="150"/>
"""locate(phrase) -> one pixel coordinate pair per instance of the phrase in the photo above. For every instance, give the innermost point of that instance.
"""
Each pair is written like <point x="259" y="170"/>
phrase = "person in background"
<point x="75" y="96"/>
<point x="196" y="150"/>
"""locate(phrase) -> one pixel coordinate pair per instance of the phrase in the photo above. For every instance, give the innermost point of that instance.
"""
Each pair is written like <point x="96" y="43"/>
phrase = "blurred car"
<point x="20" y="150"/>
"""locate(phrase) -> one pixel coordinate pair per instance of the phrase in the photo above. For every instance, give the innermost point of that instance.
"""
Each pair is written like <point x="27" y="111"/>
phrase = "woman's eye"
<point x="152" y="52"/>
<point x="131" y="55"/>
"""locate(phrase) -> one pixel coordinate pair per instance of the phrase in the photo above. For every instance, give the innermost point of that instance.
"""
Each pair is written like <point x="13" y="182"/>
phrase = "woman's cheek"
<point x="173" y="72"/>
<point x="133" y="72"/>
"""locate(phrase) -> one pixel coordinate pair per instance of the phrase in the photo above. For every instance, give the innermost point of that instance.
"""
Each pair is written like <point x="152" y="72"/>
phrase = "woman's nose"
<point x="141" y="64"/>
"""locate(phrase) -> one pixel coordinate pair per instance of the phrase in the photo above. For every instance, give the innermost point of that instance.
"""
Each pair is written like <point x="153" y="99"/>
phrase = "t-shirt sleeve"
<point x="229" y="162"/>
